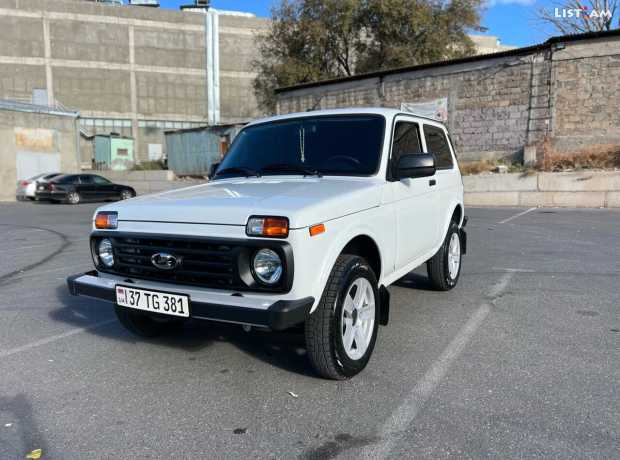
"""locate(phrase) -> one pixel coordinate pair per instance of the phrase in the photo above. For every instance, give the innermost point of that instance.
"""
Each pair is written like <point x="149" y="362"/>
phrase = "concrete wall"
<point x="593" y="189"/>
<point x="36" y="134"/>
<point x="145" y="182"/>
<point x="135" y="68"/>
<point x="498" y="105"/>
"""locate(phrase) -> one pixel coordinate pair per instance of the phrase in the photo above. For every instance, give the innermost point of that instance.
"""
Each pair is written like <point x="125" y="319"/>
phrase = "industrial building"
<point x="131" y="70"/>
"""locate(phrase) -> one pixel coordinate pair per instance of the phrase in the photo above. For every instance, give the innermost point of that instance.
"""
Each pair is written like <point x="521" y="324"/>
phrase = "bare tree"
<point x="575" y="16"/>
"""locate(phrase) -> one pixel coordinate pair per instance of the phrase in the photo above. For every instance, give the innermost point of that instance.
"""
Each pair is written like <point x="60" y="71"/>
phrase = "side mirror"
<point x="416" y="165"/>
<point x="213" y="169"/>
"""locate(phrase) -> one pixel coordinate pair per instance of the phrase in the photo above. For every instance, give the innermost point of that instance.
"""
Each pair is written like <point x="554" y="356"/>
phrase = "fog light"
<point x="105" y="252"/>
<point x="267" y="266"/>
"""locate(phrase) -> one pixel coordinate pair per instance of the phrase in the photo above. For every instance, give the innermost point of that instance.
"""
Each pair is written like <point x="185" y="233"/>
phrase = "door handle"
<point x="432" y="182"/>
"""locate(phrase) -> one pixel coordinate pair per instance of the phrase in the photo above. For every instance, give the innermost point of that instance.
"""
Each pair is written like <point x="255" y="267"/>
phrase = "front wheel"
<point x="444" y="268"/>
<point x="342" y="331"/>
<point x="126" y="194"/>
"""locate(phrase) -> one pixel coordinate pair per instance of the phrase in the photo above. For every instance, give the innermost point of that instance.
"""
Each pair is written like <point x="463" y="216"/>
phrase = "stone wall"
<point x="586" y="94"/>
<point x="567" y="92"/>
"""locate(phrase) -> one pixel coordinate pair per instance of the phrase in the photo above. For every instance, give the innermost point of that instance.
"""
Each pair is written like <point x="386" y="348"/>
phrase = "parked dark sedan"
<point x="75" y="188"/>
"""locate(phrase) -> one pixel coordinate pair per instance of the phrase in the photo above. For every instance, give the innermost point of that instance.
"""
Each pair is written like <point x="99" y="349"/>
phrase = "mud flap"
<point x="384" y="306"/>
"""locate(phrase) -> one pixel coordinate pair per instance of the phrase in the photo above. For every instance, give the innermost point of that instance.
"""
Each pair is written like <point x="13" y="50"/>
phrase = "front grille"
<point x="203" y="263"/>
<point x="206" y="262"/>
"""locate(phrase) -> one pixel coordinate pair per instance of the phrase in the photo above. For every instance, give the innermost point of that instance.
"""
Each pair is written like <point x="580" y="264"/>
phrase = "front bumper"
<point x="280" y="315"/>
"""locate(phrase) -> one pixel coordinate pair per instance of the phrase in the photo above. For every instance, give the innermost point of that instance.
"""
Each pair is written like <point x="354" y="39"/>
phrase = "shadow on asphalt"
<point x="416" y="281"/>
<point x="23" y="435"/>
<point x="285" y="349"/>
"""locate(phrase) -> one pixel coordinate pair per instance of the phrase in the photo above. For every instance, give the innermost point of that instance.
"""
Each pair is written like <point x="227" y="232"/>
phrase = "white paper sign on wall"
<point x="436" y="109"/>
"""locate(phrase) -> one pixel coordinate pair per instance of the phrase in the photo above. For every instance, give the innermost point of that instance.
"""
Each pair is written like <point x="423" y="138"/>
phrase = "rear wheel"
<point x="342" y="331"/>
<point x="141" y="324"/>
<point x="74" y="198"/>
<point x="444" y="268"/>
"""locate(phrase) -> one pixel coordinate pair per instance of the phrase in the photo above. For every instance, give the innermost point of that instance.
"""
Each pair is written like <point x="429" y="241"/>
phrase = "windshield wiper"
<point x="291" y="168"/>
<point x="248" y="172"/>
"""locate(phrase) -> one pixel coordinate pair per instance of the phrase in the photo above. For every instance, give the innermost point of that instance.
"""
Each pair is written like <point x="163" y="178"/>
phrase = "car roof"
<point x="383" y="111"/>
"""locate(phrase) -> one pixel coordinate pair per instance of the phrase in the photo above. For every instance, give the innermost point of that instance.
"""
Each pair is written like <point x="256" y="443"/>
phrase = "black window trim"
<point x="447" y="136"/>
<point x="399" y="117"/>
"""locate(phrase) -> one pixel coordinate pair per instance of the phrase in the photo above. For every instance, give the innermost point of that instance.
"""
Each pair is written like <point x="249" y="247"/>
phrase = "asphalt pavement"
<point x="520" y="360"/>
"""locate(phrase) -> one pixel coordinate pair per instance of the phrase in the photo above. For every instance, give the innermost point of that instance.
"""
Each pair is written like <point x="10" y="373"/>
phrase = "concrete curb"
<point x="588" y="189"/>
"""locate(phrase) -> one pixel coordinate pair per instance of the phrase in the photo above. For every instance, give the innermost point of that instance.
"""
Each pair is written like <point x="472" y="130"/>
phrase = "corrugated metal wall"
<point x="193" y="151"/>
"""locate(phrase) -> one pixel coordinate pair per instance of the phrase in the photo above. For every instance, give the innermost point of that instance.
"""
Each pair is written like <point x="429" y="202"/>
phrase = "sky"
<point x="512" y="21"/>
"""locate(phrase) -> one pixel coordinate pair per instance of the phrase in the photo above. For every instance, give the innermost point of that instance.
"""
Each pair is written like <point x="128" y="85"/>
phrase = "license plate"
<point x="153" y="301"/>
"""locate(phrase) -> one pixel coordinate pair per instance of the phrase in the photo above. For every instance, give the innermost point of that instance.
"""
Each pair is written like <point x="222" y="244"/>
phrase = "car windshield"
<point x="342" y="145"/>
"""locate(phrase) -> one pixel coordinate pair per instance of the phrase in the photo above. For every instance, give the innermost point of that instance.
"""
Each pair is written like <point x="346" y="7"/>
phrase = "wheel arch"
<point x="355" y="241"/>
<point x="455" y="212"/>
<point x="366" y="247"/>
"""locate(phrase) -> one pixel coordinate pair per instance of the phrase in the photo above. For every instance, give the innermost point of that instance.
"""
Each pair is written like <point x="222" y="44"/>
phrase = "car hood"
<point x="304" y="200"/>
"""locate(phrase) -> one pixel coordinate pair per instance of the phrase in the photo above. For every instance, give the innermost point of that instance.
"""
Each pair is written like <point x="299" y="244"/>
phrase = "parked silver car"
<point x="27" y="188"/>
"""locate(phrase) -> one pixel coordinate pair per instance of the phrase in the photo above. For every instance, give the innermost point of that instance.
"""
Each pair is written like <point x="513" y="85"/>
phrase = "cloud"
<point x="492" y="3"/>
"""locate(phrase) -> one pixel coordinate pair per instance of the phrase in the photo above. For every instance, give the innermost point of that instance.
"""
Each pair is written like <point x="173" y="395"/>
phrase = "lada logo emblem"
<point x="165" y="261"/>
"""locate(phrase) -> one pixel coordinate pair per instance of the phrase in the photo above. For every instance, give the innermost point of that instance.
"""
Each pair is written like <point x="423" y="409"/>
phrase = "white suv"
<point x="307" y="221"/>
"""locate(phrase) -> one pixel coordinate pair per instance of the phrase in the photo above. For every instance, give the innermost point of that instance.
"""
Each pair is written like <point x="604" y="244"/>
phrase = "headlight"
<point x="105" y="253"/>
<point x="267" y="266"/>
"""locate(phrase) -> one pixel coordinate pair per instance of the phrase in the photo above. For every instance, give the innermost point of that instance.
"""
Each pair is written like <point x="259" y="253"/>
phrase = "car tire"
<point x="73" y="198"/>
<point x="444" y="268"/>
<point x="126" y="194"/>
<point x="140" y="324"/>
<point x="343" y="317"/>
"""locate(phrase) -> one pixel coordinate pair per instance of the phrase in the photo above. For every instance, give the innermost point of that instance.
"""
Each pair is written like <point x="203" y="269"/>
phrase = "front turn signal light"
<point x="267" y="226"/>
<point x="317" y="229"/>
<point x="106" y="220"/>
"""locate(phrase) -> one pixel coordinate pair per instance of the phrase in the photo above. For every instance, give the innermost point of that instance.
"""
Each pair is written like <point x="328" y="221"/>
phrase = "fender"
<point x="352" y="230"/>
<point x="448" y="216"/>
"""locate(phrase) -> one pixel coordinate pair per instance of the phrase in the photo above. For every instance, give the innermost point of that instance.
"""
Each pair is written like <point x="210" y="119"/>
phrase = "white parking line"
<point x="517" y="215"/>
<point x="404" y="415"/>
<point x="53" y="338"/>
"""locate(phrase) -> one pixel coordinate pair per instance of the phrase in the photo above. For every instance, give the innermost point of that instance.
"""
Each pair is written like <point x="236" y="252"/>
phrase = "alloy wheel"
<point x="358" y="318"/>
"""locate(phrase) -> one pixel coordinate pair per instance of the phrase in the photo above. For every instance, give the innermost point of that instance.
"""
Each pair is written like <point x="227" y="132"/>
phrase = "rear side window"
<point x="437" y="144"/>
<point x="100" y="180"/>
<point x="86" y="179"/>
